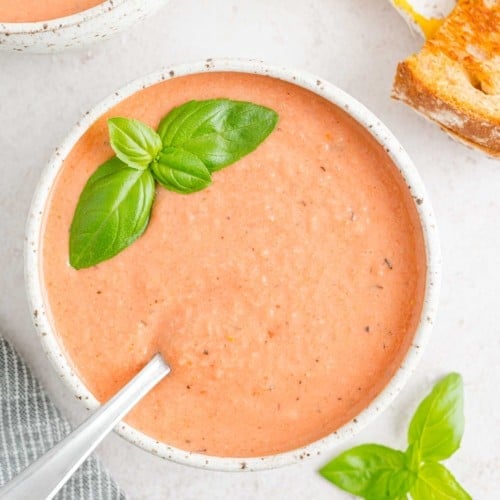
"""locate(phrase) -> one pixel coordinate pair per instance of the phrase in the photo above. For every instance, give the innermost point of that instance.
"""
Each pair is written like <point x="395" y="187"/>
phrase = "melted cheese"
<point x="428" y="25"/>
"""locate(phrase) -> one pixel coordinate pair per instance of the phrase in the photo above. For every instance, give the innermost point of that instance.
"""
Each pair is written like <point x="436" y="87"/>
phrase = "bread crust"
<point x="470" y="129"/>
<point x="455" y="79"/>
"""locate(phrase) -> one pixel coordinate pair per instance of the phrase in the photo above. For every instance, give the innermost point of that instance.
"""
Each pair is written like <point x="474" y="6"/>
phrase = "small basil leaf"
<point x="438" y="424"/>
<point x="134" y="142"/>
<point x="112" y="212"/>
<point x="371" y="471"/>
<point x="435" y="482"/>
<point x="180" y="171"/>
<point x="217" y="131"/>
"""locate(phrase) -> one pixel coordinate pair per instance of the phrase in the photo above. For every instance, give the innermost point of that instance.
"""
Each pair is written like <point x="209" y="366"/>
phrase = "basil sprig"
<point x="376" y="472"/>
<point x="193" y="140"/>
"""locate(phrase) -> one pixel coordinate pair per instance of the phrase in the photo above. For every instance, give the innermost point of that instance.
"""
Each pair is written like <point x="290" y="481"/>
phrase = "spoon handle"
<point x="44" y="477"/>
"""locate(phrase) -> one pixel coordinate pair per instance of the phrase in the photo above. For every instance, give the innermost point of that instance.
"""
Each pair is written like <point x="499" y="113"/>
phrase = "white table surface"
<point x="355" y="44"/>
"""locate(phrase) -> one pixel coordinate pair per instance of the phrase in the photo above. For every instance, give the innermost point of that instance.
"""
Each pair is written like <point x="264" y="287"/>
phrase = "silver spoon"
<point x="45" y="477"/>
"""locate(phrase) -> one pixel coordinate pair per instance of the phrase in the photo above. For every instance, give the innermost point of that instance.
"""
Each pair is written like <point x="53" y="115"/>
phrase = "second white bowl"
<point x="88" y="26"/>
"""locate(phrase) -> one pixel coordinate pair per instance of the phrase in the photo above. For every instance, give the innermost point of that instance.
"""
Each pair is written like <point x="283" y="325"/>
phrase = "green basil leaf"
<point x="412" y="457"/>
<point x="134" y="142"/>
<point x="438" y="424"/>
<point x="180" y="171"/>
<point x="371" y="471"/>
<point x="112" y="212"/>
<point x="435" y="482"/>
<point x="217" y="131"/>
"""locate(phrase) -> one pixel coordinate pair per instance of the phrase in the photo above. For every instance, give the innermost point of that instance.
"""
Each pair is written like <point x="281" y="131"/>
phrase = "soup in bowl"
<point x="292" y="297"/>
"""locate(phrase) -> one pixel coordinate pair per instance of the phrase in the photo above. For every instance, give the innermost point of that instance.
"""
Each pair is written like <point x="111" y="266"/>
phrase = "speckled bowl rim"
<point x="378" y="130"/>
<point x="59" y="23"/>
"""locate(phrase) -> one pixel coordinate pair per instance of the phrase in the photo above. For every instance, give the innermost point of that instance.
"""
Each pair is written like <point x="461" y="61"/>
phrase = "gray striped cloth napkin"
<point x="30" y="425"/>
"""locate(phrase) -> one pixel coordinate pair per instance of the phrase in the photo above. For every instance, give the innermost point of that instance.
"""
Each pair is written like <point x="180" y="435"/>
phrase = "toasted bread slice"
<point x="455" y="79"/>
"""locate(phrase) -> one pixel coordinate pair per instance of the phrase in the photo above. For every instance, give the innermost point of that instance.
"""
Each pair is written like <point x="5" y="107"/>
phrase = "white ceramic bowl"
<point x="382" y="135"/>
<point x="88" y="26"/>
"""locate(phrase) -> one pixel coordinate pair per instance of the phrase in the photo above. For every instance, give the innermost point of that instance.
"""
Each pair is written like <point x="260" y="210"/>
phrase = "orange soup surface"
<point x="28" y="11"/>
<point x="284" y="296"/>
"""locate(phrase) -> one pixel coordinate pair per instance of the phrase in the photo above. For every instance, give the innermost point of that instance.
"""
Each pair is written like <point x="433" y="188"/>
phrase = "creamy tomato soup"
<point x="21" y="11"/>
<point x="284" y="296"/>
